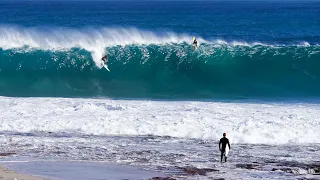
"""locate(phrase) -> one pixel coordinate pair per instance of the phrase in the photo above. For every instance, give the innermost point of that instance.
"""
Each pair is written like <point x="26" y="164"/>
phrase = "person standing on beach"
<point x="224" y="141"/>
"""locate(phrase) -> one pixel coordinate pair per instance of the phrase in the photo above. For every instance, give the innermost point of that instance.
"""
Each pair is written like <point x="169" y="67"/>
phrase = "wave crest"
<point x="90" y="39"/>
<point x="146" y="64"/>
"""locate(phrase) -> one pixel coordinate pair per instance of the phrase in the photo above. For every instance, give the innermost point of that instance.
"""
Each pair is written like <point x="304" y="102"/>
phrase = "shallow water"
<point x="167" y="155"/>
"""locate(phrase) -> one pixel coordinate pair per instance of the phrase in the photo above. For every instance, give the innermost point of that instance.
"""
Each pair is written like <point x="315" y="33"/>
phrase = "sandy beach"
<point x="6" y="174"/>
<point x="70" y="170"/>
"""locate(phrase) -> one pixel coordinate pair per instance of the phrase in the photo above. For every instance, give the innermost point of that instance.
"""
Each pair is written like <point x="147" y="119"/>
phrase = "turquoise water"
<point x="167" y="71"/>
<point x="260" y="50"/>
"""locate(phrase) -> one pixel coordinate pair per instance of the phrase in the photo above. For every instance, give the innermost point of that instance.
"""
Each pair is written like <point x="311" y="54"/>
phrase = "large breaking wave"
<point x="66" y="62"/>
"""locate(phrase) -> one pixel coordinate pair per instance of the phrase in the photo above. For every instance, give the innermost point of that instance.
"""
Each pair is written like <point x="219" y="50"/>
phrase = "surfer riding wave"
<point x="105" y="59"/>
<point x="195" y="43"/>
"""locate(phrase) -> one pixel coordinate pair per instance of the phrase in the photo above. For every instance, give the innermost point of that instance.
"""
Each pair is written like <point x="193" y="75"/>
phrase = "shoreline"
<point x="48" y="170"/>
<point x="9" y="174"/>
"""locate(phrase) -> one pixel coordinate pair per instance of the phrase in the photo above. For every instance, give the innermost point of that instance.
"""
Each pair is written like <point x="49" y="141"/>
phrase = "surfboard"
<point x="227" y="151"/>
<point x="106" y="66"/>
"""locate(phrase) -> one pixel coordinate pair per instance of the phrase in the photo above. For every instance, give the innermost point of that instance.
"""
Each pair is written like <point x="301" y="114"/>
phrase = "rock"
<point x="304" y="178"/>
<point x="6" y="154"/>
<point x="249" y="166"/>
<point x="294" y="170"/>
<point x="162" y="178"/>
<point x="197" y="171"/>
<point x="314" y="170"/>
<point x="301" y="168"/>
<point x="287" y="170"/>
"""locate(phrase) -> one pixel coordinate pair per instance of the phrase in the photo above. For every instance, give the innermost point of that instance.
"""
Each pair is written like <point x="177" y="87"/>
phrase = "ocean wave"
<point x="91" y="39"/>
<point x="66" y="62"/>
<point x="96" y="40"/>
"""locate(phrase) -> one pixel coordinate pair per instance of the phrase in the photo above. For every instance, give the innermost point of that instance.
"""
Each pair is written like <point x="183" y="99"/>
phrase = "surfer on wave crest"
<point x="105" y="59"/>
<point x="195" y="42"/>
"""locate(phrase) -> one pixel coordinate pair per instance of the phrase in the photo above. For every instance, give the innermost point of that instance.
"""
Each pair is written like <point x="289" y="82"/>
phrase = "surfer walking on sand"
<point x="224" y="141"/>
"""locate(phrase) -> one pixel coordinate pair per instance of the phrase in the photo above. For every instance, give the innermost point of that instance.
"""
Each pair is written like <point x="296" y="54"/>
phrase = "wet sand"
<point x="73" y="170"/>
<point x="6" y="174"/>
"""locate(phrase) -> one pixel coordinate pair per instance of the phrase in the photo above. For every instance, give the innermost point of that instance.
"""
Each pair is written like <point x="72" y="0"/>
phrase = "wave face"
<point x="66" y="63"/>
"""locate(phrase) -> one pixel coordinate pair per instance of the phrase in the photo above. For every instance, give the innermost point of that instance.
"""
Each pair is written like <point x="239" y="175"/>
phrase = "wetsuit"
<point x="195" y="42"/>
<point x="105" y="58"/>
<point x="224" y="141"/>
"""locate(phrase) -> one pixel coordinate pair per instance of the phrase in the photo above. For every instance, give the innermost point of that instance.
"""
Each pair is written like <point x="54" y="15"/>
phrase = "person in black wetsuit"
<point x="195" y="42"/>
<point x="224" y="141"/>
<point x="105" y="59"/>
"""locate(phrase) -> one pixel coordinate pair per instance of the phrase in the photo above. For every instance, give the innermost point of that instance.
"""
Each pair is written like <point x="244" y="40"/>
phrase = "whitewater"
<point x="96" y="40"/>
<point x="165" y="136"/>
<point x="91" y="39"/>
<point x="250" y="123"/>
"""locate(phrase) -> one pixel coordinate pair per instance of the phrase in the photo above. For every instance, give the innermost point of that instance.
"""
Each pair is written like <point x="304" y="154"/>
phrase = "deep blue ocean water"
<point x="260" y="50"/>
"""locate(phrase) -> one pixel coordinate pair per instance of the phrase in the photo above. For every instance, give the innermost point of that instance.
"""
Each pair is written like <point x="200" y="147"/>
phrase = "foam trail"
<point x="243" y="122"/>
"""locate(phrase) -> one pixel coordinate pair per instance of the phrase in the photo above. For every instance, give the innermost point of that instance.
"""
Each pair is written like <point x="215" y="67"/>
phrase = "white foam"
<point x="90" y="39"/>
<point x="243" y="122"/>
<point x="306" y="44"/>
<point x="95" y="40"/>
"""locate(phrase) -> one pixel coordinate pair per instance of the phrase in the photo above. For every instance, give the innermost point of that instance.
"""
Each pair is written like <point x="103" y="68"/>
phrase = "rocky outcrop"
<point x="197" y="171"/>
<point x="249" y="166"/>
<point x="162" y="178"/>
<point x="6" y="154"/>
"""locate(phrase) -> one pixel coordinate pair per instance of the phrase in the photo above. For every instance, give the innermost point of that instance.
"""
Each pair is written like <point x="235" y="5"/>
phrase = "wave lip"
<point x="91" y="39"/>
<point x="95" y="40"/>
<point x="66" y="63"/>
